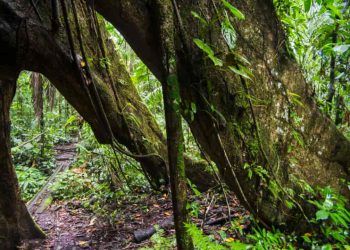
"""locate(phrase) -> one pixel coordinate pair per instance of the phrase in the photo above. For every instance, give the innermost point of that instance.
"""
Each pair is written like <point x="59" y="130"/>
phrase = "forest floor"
<point x="68" y="225"/>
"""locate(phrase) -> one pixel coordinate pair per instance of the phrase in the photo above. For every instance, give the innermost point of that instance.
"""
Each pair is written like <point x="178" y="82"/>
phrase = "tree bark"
<point x="331" y="86"/>
<point x="270" y="122"/>
<point x="141" y="135"/>
<point x="15" y="221"/>
<point x="37" y="96"/>
<point x="175" y="139"/>
<point x="178" y="180"/>
<point x="38" y="103"/>
<point x="51" y="96"/>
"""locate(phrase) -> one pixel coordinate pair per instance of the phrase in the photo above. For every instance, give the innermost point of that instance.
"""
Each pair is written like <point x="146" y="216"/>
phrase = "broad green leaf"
<point x="228" y="32"/>
<point x="238" y="245"/>
<point x="216" y="61"/>
<point x="203" y="46"/>
<point x="70" y="120"/>
<point x="341" y="48"/>
<point x="237" y="13"/>
<point x="206" y="49"/>
<point x="326" y="247"/>
<point x="335" y="11"/>
<point x="239" y="72"/>
<point x="241" y="58"/>
<point x="193" y="107"/>
<point x="328" y="203"/>
<point x="322" y="215"/>
<point x="201" y="19"/>
<point x="307" y="5"/>
<point x="28" y="146"/>
<point x="246" y="71"/>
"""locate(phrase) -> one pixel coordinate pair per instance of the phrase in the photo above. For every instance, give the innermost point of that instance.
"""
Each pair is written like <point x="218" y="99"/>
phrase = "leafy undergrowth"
<point x="128" y="210"/>
<point x="30" y="180"/>
<point x="33" y="140"/>
<point x="111" y="205"/>
<point x="124" y="199"/>
<point x="32" y="167"/>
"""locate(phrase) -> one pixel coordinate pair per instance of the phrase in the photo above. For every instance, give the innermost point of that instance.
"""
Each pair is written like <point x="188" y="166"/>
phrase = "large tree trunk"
<point x="38" y="103"/>
<point x="132" y="123"/>
<point x="37" y="96"/>
<point x="271" y="121"/>
<point x="15" y="221"/>
<point x="31" y="44"/>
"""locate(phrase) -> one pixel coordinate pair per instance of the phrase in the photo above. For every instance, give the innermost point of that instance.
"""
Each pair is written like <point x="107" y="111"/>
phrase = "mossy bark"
<point x="178" y="179"/>
<point x="175" y="140"/>
<point x="270" y="122"/>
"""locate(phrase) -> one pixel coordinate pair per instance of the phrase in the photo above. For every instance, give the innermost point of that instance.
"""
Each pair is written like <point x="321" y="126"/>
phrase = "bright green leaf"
<point x="203" y="46"/>
<point x="239" y="72"/>
<point x="322" y="215"/>
<point x="237" y="13"/>
<point x="201" y="19"/>
<point x="206" y="49"/>
<point x="216" y="61"/>
<point x="307" y="5"/>
<point x="341" y="48"/>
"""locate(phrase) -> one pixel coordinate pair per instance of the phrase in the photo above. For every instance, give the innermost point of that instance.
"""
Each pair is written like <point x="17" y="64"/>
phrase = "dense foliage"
<point x="318" y="35"/>
<point x="32" y="149"/>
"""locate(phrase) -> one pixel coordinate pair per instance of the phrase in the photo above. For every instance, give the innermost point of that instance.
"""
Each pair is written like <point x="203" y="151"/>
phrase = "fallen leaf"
<point x="229" y="240"/>
<point x="92" y="221"/>
<point x="83" y="244"/>
<point x="308" y="234"/>
<point x="79" y="170"/>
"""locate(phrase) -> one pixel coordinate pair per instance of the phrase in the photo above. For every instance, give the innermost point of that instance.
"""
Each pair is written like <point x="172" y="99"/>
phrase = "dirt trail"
<point x="69" y="226"/>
